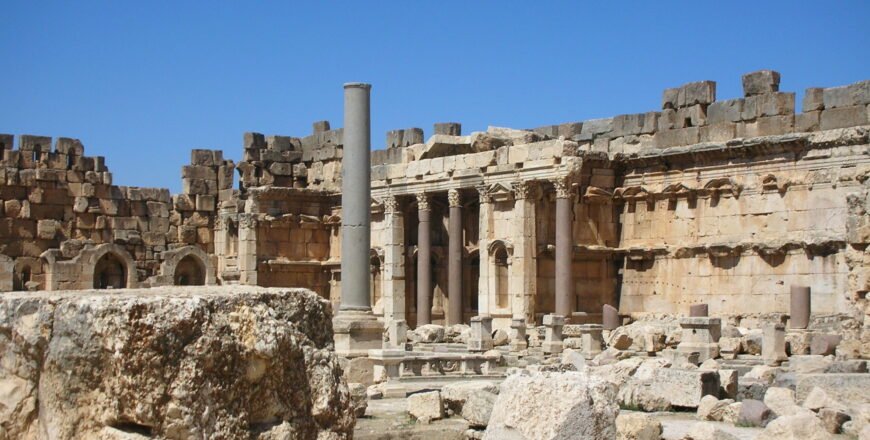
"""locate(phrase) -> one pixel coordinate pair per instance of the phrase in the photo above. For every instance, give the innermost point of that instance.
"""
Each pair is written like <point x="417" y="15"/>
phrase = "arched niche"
<point x="187" y="266"/>
<point x="110" y="272"/>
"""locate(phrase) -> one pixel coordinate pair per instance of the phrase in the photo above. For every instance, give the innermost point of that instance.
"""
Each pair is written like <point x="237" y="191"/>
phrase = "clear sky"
<point x="144" y="82"/>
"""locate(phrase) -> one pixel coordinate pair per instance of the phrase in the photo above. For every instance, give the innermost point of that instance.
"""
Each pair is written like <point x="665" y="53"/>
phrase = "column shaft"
<point x="564" y="250"/>
<point x="356" y="199"/>
<point x="454" y="265"/>
<point x="424" y="267"/>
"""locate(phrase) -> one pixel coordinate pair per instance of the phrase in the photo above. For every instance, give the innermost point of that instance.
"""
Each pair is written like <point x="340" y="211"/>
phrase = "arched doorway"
<point x="110" y="272"/>
<point x="189" y="272"/>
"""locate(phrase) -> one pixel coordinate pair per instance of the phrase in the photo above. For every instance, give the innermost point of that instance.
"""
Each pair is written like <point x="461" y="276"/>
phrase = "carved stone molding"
<point x="483" y="193"/>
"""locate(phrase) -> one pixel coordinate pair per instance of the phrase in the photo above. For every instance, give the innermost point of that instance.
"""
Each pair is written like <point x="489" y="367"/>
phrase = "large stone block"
<point x="684" y="388"/>
<point x="700" y="92"/>
<point x="677" y="137"/>
<point x="843" y="117"/>
<point x="565" y="405"/>
<point x="725" y="111"/>
<point x="760" y="82"/>
<point x="841" y="387"/>
<point x="274" y="368"/>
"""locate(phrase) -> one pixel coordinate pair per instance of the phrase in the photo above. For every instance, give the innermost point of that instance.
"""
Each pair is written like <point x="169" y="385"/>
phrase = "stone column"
<point x="356" y="328"/>
<point x="518" y="335"/>
<point x="454" y="263"/>
<point x="394" y="261"/>
<point x="523" y="274"/>
<point x="591" y="339"/>
<point x="247" y="254"/>
<point x="480" y="338"/>
<point x="356" y="199"/>
<point x="800" y="307"/>
<point x="610" y="317"/>
<point x="485" y="216"/>
<point x="424" y="261"/>
<point x="564" y="250"/>
<point x="773" y="344"/>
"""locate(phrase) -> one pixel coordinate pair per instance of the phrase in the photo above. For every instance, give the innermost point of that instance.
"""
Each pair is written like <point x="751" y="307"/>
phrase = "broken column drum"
<point x="800" y="307"/>
<point x="609" y="317"/>
<point x="454" y="265"/>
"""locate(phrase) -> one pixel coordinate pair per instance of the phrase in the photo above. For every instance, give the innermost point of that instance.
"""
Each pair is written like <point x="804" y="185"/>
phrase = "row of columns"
<point x="523" y="285"/>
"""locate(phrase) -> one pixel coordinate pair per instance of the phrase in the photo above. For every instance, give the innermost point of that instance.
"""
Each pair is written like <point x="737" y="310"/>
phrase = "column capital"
<point x="453" y="198"/>
<point x="391" y="204"/>
<point x="523" y="190"/>
<point x="563" y="188"/>
<point x="423" y="202"/>
<point x="483" y="193"/>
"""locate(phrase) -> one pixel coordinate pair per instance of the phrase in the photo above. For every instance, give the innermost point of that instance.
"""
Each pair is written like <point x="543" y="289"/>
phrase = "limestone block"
<point x="760" y="82"/>
<point x="677" y="137"/>
<point x="82" y="392"/>
<point x="473" y="401"/>
<point x="205" y="202"/>
<point x="843" y="117"/>
<point x="766" y="126"/>
<point x="713" y="409"/>
<point x="700" y="92"/>
<point x="567" y="405"/>
<point x="637" y="426"/>
<point x="833" y="420"/>
<point x="795" y="427"/>
<point x="708" y="431"/>
<point x="426" y="406"/>
<point x="670" y="98"/>
<point x="47" y="229"/>
<point x="198" y="172"/>
<point x="754" y="413"/>
<point x="725" y="111"/>
<point x="691" y="116"/>
<point x="813" y="99"/>
<point x="841" y="387"/>
<point x="807" y="121"/>
<point x="684" y="388"/>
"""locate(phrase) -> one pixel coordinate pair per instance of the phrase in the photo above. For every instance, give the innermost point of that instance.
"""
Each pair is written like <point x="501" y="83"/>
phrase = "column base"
<point x="356" y="332"/>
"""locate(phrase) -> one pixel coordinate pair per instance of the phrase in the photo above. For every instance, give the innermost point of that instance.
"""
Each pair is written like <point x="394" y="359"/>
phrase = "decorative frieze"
<point x="453" y="198"/>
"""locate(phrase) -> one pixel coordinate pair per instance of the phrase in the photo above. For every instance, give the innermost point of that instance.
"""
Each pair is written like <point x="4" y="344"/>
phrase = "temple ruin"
<point x="711" y="255"/>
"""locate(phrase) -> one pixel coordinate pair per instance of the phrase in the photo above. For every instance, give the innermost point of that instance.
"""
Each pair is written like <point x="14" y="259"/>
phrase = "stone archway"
<point x="110" y="272"/>
<point x="190" y="271"/>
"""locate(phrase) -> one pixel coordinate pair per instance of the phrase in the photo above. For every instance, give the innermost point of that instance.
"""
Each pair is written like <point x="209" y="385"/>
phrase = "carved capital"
<point x="423" y="202"/>
<point x="522" y="190"/>
<point x="453" y="198"/>
<point x="563" y="188"/>
<point x="483" y="193"/>
<point x="391" y="205"/>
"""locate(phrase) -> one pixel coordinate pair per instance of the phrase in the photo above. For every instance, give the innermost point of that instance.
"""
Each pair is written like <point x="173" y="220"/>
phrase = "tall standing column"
<point x="564" y="250"/>
<point x="424" y="261"/>
<point x="394" y="261"/>
<point x="356" y="330"/>
<point x="454" y="264"/>
<point x="356" y="199"/>
<point x="484" y="229"/>
<point x="523" y="272"/>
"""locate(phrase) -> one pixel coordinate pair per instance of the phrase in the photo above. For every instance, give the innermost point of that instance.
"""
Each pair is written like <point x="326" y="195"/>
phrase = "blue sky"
<point x="144" y="82"/>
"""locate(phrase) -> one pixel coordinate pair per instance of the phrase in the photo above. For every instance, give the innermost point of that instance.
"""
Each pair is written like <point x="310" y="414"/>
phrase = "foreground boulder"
<point x="567" y="405"/>
<point x="204" y="362"/>
<point x="473" y="401"/>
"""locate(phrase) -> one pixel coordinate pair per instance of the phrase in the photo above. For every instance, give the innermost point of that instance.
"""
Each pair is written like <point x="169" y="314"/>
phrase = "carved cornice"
<point x="453" y="198"/>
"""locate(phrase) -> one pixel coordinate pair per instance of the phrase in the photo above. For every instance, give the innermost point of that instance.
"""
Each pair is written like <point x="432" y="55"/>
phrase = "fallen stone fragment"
<point x="473" y="401"/>
<point x="637" y="426"/>
<point x="833" y="420"/>
<point x="781" y="401"/>
<point x="795" y="427"/>
<point x="713" y="409"/>
<point x="425" y="407"/>
<point x="754" y="413"/>
<point x="707" y="431"/>
<point x="566" y="406"/>
<point x="358" y="398"/>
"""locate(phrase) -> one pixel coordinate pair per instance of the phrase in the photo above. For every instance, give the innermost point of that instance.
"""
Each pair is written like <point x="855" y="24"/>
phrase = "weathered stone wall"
<point x="59" y="203"/>
<point x="174" y="363"/>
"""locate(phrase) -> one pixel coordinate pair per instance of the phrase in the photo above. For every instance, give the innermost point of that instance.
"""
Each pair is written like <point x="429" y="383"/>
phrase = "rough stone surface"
<point x="637" y="426"/>
<point x="568" y="406"/>
<point x="426" y="407"/>
<point x="473" y="401"/>
<point x="713" y="409"/>
<point x="210" y="362"/>
<point x="707" y="431"/>
<point x="795" y="427"/>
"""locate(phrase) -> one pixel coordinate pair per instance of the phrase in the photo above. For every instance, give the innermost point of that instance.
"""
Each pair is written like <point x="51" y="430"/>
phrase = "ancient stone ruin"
<point x="707" y="261"/>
